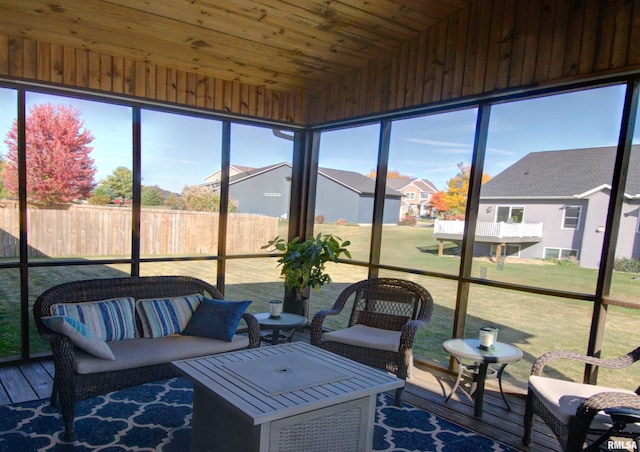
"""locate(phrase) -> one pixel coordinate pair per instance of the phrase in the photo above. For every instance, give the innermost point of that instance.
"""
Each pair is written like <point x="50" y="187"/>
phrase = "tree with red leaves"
<point x="59" y="168"/>
<point x="438" y="201"/>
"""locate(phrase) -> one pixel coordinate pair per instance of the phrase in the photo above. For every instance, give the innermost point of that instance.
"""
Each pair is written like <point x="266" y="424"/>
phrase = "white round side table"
<point x="469" y="349"/>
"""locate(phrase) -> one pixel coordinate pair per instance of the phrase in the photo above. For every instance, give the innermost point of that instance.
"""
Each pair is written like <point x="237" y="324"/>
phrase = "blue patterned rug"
<point x="157" y="417"/>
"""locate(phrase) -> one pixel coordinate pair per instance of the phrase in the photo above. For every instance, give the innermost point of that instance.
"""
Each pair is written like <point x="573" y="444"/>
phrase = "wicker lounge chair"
<point x="385" y="317"/>
<point x="573" y="410"/>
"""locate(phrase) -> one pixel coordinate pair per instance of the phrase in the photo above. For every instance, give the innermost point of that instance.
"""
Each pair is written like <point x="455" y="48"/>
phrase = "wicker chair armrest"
<point x="614" y="363"/>
<point x="316" y="325"/>
<point x="605" y="400"/>
<point x="409" y="331"/>
<point x="253" y="328"/>
<point x="48" y="335"/>
<point x="62" y="351"/>
<point x="594" y="404"/>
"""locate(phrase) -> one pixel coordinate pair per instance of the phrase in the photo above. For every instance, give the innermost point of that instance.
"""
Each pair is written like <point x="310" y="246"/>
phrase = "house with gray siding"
<point x="341" y="195"/>
<point x="553" y="204"/>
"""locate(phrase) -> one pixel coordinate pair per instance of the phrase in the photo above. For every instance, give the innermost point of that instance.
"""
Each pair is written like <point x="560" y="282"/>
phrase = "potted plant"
<point x="303" y="265"/>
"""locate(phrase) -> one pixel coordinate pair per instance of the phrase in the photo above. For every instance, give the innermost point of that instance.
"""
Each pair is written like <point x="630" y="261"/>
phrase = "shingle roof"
<point x="355" y="181"/>
<point x="399" y="183"/>
<point x="562" y="174"/>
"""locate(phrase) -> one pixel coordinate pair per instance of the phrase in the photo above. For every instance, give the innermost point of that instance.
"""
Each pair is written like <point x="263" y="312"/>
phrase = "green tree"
<point x="100" y="197"/>
<point x="175" y="202"/>
<point x="119" y="184"/>
<point x="152" y="196"/>
<point x="201" y="198"/>
<point x="204" y="198"/>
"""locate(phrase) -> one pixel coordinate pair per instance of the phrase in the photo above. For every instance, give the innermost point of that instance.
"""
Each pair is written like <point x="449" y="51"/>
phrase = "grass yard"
<point x="534" y="323"/>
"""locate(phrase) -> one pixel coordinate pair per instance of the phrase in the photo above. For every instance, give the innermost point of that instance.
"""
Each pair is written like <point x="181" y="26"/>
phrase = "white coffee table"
<point x="289" y="397"/>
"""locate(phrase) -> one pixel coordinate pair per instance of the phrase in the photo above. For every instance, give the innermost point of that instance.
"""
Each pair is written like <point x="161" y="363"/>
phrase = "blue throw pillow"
<point x="78" y="333"/>
<point x="216" y="319"/>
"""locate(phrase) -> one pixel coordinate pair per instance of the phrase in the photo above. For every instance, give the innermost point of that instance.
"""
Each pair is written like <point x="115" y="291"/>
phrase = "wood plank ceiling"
<point x="286" y="45"/>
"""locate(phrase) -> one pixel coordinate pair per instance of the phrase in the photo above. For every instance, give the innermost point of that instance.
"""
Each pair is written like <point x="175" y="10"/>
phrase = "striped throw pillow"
<point x="111" y="320"/>
<point x="164" y="316"/>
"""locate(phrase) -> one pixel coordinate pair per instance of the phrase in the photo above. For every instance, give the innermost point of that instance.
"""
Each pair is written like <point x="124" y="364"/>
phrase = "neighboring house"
<point x="341" y="195"/>
<point x="417" y="195"/>
<point x="214" y="179"/>
<point x="554" y="204"/>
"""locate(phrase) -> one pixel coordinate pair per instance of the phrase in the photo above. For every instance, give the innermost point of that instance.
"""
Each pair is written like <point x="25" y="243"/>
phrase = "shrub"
<point x="319" y="219"/>
<point x="407" y="220"/>
<point x="626" y="264"/>
<point x="570" y="261"/>
<point x="341" y="222"/>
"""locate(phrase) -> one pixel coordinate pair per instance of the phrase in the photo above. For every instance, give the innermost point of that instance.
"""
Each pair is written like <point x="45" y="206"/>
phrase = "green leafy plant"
<point x="303" y="263"/>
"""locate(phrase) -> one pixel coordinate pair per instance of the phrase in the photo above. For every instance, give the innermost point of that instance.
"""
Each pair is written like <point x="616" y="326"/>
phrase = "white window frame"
<point x="510" y="212"/>
<point x="578" y="218"/>
<point x="560" y="250"/>
<point x="410" y="195"/>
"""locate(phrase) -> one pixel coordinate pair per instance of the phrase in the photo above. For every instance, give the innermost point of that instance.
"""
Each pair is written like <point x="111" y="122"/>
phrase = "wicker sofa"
<point x="80" y="375"/>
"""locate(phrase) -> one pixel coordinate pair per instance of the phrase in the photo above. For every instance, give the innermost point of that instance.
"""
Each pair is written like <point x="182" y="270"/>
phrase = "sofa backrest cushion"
<point x="164" y="316"/>
<point x="111" y="320"/>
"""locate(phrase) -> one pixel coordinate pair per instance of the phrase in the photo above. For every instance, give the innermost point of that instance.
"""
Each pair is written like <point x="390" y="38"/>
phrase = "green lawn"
<point x="534" y="323"/>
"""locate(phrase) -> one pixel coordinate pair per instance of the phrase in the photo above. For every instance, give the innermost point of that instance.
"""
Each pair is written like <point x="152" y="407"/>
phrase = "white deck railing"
<point x="486" y="229"/>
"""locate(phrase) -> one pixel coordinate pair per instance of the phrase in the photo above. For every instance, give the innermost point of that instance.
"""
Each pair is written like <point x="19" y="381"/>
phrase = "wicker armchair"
<point x="573" y="410"/>
<point x="385" y="316"/>
<point x="69" y="386"/>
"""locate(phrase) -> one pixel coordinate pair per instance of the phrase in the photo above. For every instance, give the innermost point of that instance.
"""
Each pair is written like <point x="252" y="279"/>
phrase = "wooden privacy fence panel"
<point x="106" y="231"/>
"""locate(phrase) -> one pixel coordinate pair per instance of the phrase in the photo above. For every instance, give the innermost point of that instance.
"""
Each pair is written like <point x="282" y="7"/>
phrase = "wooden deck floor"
<point x="427" y="389"/>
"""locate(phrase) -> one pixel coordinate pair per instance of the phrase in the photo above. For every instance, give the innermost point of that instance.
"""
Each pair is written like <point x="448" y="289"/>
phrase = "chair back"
<point x="388" y="303"/>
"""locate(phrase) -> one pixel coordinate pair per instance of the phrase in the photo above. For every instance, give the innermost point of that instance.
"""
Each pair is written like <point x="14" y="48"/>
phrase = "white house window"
<point x="559" y="253"/>
<point x="571" y="219"/>
<point x="508" y="250"/>
<point x="424" y="195"/>
<point x="509" y="214"/>
<point x="410" y="195"/>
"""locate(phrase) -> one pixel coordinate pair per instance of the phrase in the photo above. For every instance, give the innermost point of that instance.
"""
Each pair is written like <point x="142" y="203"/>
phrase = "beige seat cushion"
<point x="140" y="352"/>
<point x="366" y="336"/>
<point x="562" y="398"/>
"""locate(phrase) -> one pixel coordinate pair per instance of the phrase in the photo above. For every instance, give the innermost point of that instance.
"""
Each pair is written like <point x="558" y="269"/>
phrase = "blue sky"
<point x="180" y="150"/>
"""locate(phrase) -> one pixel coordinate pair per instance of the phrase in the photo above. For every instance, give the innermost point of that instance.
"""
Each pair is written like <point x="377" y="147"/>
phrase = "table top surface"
<point x="270" y="383"/>
<point x="286" y="320"/>
<point x="469" y="349"/>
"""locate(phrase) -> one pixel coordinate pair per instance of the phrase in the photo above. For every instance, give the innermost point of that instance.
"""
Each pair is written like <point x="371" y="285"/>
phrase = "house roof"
<point x="562" y="174"/>
<point x="355" y="181"/>
<point x="350" y="179"/>
<point x="400" y="183"/>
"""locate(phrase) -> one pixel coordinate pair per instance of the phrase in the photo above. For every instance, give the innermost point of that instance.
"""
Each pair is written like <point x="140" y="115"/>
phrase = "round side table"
<point x="280" y="326"/>
<point x="468" y="349"/>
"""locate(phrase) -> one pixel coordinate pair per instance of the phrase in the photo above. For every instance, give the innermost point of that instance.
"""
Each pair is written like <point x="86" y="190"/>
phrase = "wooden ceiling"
<point x="286" y="45"/>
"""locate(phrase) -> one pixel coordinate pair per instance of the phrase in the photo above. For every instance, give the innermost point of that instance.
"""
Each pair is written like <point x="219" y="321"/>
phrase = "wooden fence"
<point x="84" y="230"/>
